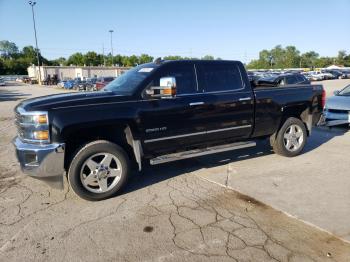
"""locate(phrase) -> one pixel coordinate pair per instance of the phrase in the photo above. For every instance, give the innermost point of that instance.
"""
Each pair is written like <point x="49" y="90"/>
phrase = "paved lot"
<point x="172" y="213"/>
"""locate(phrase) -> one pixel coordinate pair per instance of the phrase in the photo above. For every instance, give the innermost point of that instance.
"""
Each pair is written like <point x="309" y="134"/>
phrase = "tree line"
<point x="15" y="61"/>
<point x="291" y="57"/>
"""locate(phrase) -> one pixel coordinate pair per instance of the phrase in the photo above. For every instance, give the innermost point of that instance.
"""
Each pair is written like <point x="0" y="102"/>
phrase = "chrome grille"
<point x="18" y="121"/>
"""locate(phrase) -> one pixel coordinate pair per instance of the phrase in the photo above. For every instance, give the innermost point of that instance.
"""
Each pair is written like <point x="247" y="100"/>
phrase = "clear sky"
<point x="230" y="29"/>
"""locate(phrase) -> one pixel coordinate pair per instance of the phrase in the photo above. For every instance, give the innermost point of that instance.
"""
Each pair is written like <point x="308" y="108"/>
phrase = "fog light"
<point x="41" y="135"/>
<point x="30" y="159"/>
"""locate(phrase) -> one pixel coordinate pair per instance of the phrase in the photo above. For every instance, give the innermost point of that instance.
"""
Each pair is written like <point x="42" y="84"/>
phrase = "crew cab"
<point x="156" y="113"/>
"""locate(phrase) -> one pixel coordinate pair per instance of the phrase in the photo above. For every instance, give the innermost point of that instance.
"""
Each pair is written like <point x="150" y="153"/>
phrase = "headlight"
<point x="33" y="127"/>
<point x="36" y="119"/>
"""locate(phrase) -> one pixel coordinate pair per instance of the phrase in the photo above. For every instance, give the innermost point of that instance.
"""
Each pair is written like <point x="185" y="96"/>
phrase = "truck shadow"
<point x="9" y="95"/>
<point x="158" y="173"/>
<point x="321" y="135"/>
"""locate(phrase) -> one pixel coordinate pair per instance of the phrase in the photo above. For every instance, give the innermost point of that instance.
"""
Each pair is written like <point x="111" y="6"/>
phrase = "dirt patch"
<point x="251" y="200"/>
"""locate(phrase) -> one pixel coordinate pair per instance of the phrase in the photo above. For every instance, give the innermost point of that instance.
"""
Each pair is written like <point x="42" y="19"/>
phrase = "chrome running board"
<point x="200" y="152"/>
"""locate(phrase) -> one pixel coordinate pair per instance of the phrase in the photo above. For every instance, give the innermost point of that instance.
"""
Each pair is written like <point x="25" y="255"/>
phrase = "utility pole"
<point x="103" y="53"/>
<point x="32" y="4"/>
<point x="111" y="31"/>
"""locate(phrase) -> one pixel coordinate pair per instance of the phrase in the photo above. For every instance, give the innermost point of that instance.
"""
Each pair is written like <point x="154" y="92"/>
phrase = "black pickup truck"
<point x="158" y="112"/>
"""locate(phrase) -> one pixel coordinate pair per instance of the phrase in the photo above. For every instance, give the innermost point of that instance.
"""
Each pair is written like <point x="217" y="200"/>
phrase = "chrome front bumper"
<point x="40" y="161"/>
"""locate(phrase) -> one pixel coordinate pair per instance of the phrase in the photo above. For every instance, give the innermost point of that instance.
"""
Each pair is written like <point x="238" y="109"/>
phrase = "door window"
<point x="291" y="80"/>
<point x="215" y="77"/>
<point x="301" y="78"/>
<point x="184" y="75"/>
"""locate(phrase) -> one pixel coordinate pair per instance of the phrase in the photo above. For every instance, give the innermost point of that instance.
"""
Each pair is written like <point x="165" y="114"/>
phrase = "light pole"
<point x="32" y="4"/>
<point x="111" y="31"/>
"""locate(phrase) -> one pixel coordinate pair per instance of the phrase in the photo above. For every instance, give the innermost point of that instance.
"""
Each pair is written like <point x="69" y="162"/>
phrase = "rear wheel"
<point x="290" y="139"/>
<point x="99" y="170"/>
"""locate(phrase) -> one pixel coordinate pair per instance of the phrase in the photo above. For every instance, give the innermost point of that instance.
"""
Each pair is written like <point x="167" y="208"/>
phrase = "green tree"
<point x="323" y="62"/>
<point x="92" y="59"/>
<point x="76" y="59"/>
<point x="347" y="61"/>
<point x="172" y="57"/>
<point x="292" y="57"/>
<point x="309" y="59"/>
<point x="341" y="57"/>
<point x="59" y="61"/>
<point x="144" y="58"/>
<point x="8" y="48"/>
<point x="208" y="57"/>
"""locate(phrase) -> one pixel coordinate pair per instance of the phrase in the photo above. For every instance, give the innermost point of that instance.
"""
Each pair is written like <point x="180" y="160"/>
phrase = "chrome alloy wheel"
<point x="293" y="138"/>
<point x="101" y="172"/>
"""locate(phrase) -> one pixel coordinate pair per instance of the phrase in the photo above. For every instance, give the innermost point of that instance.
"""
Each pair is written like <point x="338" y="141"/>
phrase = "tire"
<point x="108" y="174"/>
<point x="287" y="142"/>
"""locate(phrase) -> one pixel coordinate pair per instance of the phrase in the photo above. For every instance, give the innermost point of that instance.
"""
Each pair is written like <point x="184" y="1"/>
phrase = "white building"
<point x="71" y="72"/>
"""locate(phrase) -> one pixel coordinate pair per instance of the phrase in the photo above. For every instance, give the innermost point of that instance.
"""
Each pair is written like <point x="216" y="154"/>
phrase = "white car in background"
<point x="316" y="76"/>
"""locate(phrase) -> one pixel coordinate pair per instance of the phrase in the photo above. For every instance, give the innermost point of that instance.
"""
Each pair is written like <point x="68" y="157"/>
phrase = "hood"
<point x="45" y="103"/>
<point x="338" y="102"/>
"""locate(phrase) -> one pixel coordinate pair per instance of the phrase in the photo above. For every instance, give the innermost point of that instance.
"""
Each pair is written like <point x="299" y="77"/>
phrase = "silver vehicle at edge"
<point x="337" y="109"/>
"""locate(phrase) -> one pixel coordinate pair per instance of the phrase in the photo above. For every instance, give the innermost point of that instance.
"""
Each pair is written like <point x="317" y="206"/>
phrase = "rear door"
<point x="228" y="100"/>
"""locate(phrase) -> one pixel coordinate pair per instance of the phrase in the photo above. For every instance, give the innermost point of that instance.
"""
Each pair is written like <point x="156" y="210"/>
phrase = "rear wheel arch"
<point x="279" y="141"/>
<point x="301" y="112"/>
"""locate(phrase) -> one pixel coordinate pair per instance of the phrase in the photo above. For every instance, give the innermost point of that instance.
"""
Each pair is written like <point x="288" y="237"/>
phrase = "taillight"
<point x="323" y="98"/>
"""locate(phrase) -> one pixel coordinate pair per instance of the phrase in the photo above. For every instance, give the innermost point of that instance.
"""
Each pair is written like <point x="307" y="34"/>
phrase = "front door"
<point x="172" y="123"/>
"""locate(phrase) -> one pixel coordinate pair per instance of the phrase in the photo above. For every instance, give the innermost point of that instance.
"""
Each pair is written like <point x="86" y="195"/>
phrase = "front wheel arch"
<point x="79" y="160"/>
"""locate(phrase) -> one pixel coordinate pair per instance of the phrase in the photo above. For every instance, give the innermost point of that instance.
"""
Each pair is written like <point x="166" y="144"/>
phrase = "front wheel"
<point x="290" y="139"/>
<point x="99" y="170"/>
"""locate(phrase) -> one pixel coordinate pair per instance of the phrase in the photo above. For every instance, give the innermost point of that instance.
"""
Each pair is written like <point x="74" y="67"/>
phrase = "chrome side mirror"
<point x="167" y="88"/>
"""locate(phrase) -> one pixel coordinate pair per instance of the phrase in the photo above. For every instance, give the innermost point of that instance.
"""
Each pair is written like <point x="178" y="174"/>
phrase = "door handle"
<point x="245" y="99"/>
<point x="196" y="103"/>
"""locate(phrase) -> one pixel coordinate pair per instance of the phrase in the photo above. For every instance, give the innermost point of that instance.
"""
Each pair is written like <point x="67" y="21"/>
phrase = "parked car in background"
<point x="30" y="80"/>
<point x="335" y="73"/>
<point x="2" y="81"/>
<point x="316" y="76"/>
<point x="345" y="74"/>
<point x="282" y="80"/>
<point x="337" y="108"/>
<point x="61" y="83"/>
<point x="102" y="82"/>
<point x="87" y="84"/>
<point x="69" y="84"/>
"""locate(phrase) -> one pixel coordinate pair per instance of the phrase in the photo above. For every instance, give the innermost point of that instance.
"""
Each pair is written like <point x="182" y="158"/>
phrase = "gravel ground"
<point x="167" y="213"/>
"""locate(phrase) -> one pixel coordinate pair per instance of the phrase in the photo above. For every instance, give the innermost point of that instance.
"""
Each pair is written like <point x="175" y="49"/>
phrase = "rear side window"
<point x="184" y="75"/>
<point x="301" y="78"/>
<point x="216" y="77"/>
<point x="291" y="80"/>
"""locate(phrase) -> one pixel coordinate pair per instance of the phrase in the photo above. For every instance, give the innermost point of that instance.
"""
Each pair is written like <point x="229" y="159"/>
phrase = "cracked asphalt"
<point x="167" y="213"/>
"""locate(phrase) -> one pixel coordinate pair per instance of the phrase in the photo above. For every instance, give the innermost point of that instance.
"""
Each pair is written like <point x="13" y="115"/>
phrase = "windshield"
<point x="130" y="80"/>
<point x="345" y="91"/>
